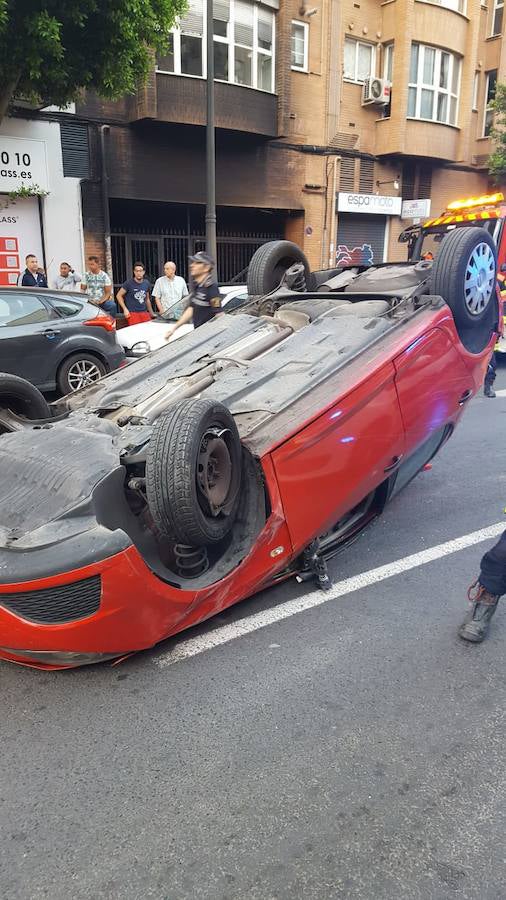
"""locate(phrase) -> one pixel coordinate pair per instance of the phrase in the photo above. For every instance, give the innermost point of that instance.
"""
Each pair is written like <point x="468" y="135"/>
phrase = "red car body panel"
<point x="404" y="389"/>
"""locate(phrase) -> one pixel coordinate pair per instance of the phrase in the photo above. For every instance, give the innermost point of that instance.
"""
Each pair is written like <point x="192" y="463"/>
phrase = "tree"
<point x="50" y="50"/>
<point x="497" y="159"/>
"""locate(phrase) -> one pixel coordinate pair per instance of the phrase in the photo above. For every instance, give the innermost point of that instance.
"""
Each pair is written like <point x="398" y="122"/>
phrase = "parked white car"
<point x="137" y="340"/>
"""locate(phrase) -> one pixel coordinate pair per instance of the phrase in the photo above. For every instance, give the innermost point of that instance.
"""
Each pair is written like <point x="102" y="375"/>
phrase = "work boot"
<point x="483" y="606"/>
<point x="489" y="391"/>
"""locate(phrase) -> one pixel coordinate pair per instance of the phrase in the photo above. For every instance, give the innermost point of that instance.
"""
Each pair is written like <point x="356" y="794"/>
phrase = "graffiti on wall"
<point x="356" y="256"/>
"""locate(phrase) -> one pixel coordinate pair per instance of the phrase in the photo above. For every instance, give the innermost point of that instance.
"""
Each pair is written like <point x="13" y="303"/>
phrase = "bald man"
<point x="168" y="293"/>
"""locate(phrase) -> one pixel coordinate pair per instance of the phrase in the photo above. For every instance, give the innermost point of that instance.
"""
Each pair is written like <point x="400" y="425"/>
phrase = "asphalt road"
<point x="355" y="750"/>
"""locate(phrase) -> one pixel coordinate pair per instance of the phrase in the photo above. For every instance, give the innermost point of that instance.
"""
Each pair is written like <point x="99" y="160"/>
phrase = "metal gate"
<point x="153" y="250"/>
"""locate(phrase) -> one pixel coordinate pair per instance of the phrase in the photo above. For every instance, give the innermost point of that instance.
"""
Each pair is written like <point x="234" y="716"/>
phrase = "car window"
<point x="65" y="307"/>
<point x="236" y="302"/>
<point x="22" y="309"/>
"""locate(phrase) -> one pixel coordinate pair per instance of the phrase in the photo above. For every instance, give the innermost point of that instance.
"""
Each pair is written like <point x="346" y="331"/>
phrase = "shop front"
<point x="40" y="209"/>
<point x="362" y="227"/>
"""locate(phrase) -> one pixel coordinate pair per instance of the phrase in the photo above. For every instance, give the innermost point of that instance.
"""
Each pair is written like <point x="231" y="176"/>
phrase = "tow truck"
<point x="488" y="212"/>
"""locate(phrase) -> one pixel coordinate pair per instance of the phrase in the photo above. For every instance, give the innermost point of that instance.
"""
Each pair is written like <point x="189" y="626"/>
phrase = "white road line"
<point x="226" y="633"/>
<point x="501" y="393"/>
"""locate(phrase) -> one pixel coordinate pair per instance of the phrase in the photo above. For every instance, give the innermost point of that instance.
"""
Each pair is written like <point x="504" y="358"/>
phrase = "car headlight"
<point x="140" y="348"/>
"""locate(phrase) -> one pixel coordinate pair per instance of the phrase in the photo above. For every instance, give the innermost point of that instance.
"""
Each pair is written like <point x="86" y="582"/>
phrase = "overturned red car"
<point x="247" y="452"/>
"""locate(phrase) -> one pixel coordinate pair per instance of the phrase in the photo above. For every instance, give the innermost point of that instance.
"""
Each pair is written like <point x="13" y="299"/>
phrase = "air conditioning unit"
<point x="376" y="90"/>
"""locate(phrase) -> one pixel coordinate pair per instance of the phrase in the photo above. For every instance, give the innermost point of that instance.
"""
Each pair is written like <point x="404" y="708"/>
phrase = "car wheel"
<point x="79" y="371"/>
<point x="22" y="398"/>
<point x="464" y="274"/>
<point x="193" y="473"/>
<point x="270" y="262"/>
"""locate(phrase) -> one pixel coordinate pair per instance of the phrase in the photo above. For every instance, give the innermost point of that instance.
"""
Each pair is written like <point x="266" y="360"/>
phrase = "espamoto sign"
<point x="375" y="204"/>
<point x="23" y="163"/>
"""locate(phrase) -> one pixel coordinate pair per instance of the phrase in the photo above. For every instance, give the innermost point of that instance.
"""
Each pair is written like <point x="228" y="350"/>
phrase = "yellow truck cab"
<point x="488" y="211"/>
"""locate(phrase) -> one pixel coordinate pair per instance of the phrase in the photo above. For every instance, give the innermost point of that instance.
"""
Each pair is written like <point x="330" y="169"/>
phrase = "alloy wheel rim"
<point x="83" y="373"/>
<point x="479" y="282"/>
<point x="214" y="471"/>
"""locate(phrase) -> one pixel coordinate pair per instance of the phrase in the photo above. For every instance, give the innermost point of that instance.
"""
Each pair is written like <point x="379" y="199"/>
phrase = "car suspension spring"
<point x="191" y="561"/>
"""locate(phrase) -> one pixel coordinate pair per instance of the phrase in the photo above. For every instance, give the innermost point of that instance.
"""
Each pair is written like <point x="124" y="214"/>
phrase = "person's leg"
<point x="488" y="389"/>
<point x="109" y="307"/>
<point x="484" y="593"/>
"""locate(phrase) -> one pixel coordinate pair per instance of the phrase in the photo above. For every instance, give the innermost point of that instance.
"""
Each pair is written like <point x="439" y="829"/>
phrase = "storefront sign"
<point x="23" y="163"/>
<point x="415" y="209"/>
<point x="19" y="235"/>
<point x="369" y="203"/>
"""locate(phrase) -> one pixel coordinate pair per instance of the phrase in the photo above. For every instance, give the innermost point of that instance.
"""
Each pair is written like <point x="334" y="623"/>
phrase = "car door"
<point x="336" y="461"/>
<point x="433" y="386"/>
<point x="28" y="332"/>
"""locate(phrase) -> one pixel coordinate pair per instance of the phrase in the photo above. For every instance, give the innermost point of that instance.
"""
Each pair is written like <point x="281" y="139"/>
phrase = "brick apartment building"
<point x="304" y="150"/>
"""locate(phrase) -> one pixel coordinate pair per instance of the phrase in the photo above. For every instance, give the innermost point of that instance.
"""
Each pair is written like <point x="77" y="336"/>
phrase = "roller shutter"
<point x="360" y="239"/>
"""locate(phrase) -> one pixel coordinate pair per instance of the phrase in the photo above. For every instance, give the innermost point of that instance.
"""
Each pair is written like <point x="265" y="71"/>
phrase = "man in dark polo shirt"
<point x="33" y="276"/>
<point x="204" y="300"/>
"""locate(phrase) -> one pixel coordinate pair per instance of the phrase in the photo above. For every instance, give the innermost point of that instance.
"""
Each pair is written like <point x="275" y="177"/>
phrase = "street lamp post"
<point x="210" y="140"/>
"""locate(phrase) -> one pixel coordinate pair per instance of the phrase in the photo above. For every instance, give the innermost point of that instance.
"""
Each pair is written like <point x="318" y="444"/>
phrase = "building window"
<point x="359" y="60"/>
<point x="388" y="62"/>
<point x="191" y="39"/>
<point x="221" y="38"/>
<point x="388" y="67"/>
<point x="476" y="88"/>
<point x="300" y="40"/>
<point x="489" y="98"/>
<point x="456" y="5"/>
<point x="434" y="82"/>
<point x="497" y="17"/>
<point x="265" y="49"/>
<point x="243" y="44"/>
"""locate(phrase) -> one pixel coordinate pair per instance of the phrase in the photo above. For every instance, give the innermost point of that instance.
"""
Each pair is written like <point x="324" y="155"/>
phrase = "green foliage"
<point x="497" y="159"/>
<point x="33" y="190"/>
<point x="52" y="49"/>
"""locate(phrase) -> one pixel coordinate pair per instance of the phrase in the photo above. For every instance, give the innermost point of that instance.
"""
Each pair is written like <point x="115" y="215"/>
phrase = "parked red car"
<point x="243" y="454"/>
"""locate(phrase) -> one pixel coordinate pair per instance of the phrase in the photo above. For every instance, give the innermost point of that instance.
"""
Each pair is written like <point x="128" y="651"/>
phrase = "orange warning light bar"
<point x="454" y="219"/>
<point x="486" y="200"/>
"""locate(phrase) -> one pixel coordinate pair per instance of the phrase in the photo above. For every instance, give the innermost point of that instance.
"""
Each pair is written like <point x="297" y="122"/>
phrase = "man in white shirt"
<point x="168" y="293"/>
<point x="67" y="280"/>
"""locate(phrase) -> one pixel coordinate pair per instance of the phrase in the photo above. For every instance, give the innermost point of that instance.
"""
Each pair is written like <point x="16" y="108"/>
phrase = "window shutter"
<point x="243" y="23"/>
<point x="425" y="184"/>
<point x="75" y="149"/>
<point x="221" y="10"/>
<point x="347" y="174"/>
<point x="408" y="182"/>
<point x="193" y="20"/>
<point x="366" y="181"/>
<point x="264" y="28"/>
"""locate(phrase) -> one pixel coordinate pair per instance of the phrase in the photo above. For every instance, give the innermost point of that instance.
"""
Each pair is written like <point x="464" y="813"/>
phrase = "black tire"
<point x="22" y="398"/>
<point x="452" y="271"/>
<point x="270" y="262"/>
<point x="177" y="502"/>
<point x="65" y="380"/>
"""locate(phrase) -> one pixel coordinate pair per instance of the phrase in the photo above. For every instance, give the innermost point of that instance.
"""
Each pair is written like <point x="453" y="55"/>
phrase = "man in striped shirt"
<point x="168" y="292"/>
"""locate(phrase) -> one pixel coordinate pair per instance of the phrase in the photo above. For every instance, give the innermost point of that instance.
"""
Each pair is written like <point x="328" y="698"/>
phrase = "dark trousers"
<point x="493" y="568"/>
<point x="491" y="371"/>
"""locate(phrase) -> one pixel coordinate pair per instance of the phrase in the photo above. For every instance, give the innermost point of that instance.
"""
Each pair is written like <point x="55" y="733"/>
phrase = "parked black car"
<point x="56" y="340"/>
